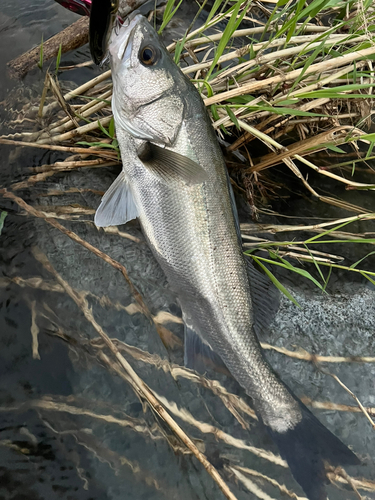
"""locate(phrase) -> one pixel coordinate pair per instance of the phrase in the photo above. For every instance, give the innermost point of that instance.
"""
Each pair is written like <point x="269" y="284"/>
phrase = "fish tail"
<point x="306" y="447"/>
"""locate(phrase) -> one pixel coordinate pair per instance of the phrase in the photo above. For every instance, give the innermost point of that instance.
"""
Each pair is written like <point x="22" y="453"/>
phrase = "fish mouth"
<point x="119" y="46"/>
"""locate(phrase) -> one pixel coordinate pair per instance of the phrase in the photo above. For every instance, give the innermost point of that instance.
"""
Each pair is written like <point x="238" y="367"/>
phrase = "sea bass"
<point x="174" y="180"/>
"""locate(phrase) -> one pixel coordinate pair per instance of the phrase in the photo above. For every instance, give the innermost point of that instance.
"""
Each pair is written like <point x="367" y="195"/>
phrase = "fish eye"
<point x="148" y="55"/>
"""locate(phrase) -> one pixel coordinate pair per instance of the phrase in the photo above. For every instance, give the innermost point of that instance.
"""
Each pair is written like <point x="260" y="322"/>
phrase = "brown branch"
<point x="72" y="37"/>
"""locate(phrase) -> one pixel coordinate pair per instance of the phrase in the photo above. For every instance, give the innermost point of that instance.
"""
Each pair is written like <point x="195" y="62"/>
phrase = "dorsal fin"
<point x="265" y="298"/>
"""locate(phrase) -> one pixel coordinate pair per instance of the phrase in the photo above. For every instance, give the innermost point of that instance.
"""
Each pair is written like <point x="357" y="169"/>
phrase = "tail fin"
<point x="306" y="447"/>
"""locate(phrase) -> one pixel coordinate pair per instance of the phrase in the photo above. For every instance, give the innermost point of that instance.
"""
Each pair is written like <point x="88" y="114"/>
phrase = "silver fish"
<point x="174" y="180"/>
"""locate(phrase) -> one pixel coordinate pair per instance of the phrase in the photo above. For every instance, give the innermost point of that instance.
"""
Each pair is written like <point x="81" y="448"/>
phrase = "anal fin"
<point x="199" y="356"/>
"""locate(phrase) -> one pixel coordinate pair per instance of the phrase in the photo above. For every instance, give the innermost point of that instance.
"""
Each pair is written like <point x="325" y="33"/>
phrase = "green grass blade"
<point x="111" y="128"/>
<point x="308" y="63"/>
<point x="168" y="14"/>
<point x="213" y="11"/>
<point x="232" y="25"/>
<point x="58" y="59"/>
<point x="367" y="277"/>
<point x="288" y="265"/>
<point x="336" y="149"/>
<point x="329" y="231"/>
<point x="274" y="280"/>
<point x="233" y="117"/>
<point x="353" y="266"/>
<point x="40" y="63"/>
<point x="3" y="214"/>
<point x="105" y="131"/>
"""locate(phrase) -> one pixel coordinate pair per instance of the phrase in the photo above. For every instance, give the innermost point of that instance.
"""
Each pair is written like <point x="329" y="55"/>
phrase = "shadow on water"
<point x="70" y="426"/>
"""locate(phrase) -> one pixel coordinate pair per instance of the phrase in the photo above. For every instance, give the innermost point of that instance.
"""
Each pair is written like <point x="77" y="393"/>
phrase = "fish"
<point x="174" y="180"/>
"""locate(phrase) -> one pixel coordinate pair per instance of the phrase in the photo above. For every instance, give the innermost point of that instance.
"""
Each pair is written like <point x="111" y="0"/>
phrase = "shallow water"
<point x="70" y="426"/>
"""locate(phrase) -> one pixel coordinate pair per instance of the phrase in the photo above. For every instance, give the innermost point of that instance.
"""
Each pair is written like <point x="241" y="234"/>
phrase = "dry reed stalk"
<point x="205" y="428"/>
<point x="34" y="330"/>
<point x="304" y="147"/>
<point x="324" y="80"/>
<point x="363" y="484"/>
<point x="282" y="229"/>
<point x="328" y="405"/>
<point x="231" y="401"/>
<point x="247" y="136"/>
<point x="79" y="90"/>
<point x="273" y="145"/>
<point x="252" y="86"/>
<point x="363" y="409"/>
<point x="163" y="333"/>
<point x="84" y="64"/>
<point x="191" y="42"/>
<point x="60" y="99"/>
<point x="319" y="170"/>
<point x="250" y="485"/>
<point x="316" y="358"/>
<point x="65" y="167"/>
<point x="55" y="147"/>
<point x="81" y="112"/>
<point x="293" y="122"/>
<point x="280" y="54"/>
<point x="236" y="469"/>
<point x="300" y="257"/>
<point x="48" y="403"/>
<point x="136" y="382"/>
<point x="81" y="109"/>
<point x="122" y="234"/>
<point x="82" y="130"/>
<point x="57" y="210"/>
<point x="36" y="282"/>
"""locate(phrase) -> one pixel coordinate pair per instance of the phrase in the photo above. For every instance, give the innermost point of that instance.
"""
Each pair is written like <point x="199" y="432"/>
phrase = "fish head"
<point x="148" y="96"/>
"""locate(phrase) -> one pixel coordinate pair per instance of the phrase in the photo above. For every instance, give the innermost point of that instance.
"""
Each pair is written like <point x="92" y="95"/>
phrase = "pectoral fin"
<point x="117" y="206"/>
<point x="171" y="166"/>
